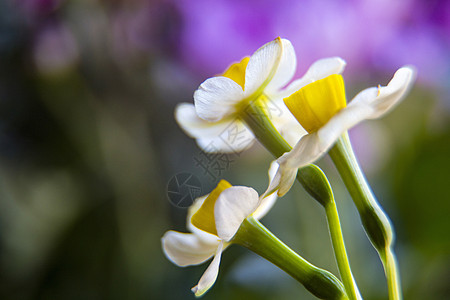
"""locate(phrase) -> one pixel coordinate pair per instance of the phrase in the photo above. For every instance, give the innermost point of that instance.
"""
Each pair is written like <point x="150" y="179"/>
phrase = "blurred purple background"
<point x="205" y="36"/>
<point x="88" y="142"/>
<point x="370" y="35"/>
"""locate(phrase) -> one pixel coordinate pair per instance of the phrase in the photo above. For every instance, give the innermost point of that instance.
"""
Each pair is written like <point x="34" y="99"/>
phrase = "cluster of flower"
<point x="319" y="116"/>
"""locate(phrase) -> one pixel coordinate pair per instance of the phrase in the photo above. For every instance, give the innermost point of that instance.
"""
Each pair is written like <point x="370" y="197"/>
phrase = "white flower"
<point x="221" y="99"/>
<point x="320" y="107"/>
<point x="213" y="221"/>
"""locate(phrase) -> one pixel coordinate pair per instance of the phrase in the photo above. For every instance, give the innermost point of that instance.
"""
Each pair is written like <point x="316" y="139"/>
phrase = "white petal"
<point x="274" y="184"/>
<point x="216" y="97"/>
<point x="195" y="127"/>
<point x="318" y="70"/>
<point x="291" y="131"/>
<point x="218" y="145"/>
<point x="385" y="98"/>
<point x="285" y="70"/>
<point x="368" y="104"/>
<point x="209" y="277"/>
<point x="312" y="146"/>
<point x="234" y="138"/>
<point x="184" y="249"/>
<point x="229" y="135"/>
<point x="272" y="170"/>
<point x="304" y="152"/>
<point x="232" y="207"/>
<point x="340" y="123"/>
<point x="282" y="181"/>
<point x="325" y="67"/>
<point x="266" y="203"/>
<point x="288" y="176"/>
<point x="262" y="65"/>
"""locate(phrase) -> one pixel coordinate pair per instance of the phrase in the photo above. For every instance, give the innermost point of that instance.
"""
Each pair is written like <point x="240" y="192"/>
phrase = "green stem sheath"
<point x="257" y="238"/>
<point x="375" y="221"/>
<point x="312" y="179"/>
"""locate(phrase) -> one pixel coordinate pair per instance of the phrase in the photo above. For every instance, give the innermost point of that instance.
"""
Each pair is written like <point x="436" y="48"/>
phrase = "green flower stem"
<point x="257" y="238"/>
<point x="340" y="252"/>
<point x="375" y="221"/>
<point x="391" y="270"/>
<point x="313" y="180"/>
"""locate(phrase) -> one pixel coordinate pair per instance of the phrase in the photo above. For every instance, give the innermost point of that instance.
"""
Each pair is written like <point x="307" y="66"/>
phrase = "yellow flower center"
<point x="204" y="218"/>
<point x="236" y="72"/>
<point x="316" y="103"/>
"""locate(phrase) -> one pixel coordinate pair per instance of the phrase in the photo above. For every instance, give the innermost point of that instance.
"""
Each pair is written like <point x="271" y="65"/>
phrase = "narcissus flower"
<point x="213" y="221"/>
<point x="320" y="107"/>
<point x="221" y="100"/>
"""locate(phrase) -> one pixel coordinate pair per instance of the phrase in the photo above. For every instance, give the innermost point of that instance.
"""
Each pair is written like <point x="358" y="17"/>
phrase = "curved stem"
<point x="313" y="180"/>
<point x="377" y="225"/>
<point x="340" y="252"/>
<point x="392" y="275"/>
<point x="257" y="238"/>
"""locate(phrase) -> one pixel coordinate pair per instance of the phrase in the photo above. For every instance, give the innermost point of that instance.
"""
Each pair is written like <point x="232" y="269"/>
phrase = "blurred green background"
<point x="88" y="143"/>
